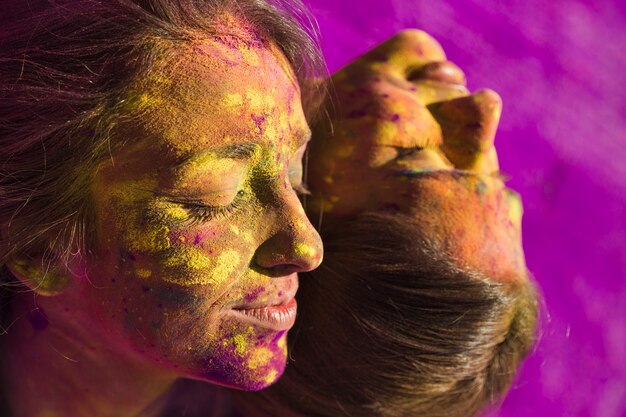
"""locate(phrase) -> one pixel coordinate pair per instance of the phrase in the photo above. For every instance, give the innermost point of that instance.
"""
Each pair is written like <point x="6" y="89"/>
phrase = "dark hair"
<point x="392" y="327"/>
<point x="65" y="70"/>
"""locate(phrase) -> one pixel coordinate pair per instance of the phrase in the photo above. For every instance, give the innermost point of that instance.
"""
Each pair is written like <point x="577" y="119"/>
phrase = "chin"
<point x="257" y="367"/>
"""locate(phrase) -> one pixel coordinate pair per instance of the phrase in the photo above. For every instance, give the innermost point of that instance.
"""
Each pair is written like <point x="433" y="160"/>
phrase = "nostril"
<point x="284" y="269"/>
<point x="282" y="254"/>
<point x="445" y="72"/>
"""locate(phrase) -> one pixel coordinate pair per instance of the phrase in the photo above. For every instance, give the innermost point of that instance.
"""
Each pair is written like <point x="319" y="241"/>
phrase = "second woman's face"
<point x="200" y="231"/>
<point x="401" y="108"/>
<point x="407" y="136"/>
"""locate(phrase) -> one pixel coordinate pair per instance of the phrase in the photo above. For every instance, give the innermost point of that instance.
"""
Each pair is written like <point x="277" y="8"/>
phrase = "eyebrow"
<point x="241" y="150"/>
<point x="233" y="151"/>
<point x="236" y="151"/>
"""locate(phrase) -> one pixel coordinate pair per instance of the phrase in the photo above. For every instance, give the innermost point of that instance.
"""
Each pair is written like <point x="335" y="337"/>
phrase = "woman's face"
<point x="401" y="107"/>
<point x="199" y="227"/>
<point x="408" y="136"/>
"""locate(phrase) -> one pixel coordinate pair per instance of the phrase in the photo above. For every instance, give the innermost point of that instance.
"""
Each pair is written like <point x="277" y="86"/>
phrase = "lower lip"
<point x="280" y="317"/>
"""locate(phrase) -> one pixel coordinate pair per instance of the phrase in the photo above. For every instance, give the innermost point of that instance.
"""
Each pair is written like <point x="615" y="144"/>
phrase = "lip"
<point x="277" y="317"/>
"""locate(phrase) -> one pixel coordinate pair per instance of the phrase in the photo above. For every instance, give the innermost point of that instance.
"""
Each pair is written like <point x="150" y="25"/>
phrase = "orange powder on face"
<point x="475" y="219"/>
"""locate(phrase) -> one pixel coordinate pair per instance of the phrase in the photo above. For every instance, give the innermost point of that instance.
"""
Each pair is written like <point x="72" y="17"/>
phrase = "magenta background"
<point x="559" y="66"/>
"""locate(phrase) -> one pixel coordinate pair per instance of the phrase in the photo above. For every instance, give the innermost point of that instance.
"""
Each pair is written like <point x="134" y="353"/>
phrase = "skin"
<point x="418" y="142"/>
<point x="196" y="214"/>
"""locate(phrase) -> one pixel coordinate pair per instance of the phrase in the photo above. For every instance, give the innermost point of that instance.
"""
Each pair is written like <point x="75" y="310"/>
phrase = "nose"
<point x="469" y="127"/>
<point x="293" y="246"/>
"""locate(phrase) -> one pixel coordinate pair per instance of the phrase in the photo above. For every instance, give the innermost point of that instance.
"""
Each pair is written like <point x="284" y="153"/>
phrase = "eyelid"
<point x="199" y="211"/>
<point x="402" y="152"/>
<point x="194" y="198"/>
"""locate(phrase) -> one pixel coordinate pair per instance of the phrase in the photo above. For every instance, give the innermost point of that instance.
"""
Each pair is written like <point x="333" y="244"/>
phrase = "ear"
<point x="44" y="277"/>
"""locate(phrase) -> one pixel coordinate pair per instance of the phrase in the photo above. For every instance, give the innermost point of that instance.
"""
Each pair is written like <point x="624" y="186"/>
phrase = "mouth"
<point x="277" y="317"/>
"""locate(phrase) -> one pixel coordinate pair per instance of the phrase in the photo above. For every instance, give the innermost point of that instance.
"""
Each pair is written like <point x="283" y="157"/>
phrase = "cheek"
<point x="162" y="243"/>
<point x="170" y="302"/>
<point x="213" y="256"/>
<point x="475" y="223"/>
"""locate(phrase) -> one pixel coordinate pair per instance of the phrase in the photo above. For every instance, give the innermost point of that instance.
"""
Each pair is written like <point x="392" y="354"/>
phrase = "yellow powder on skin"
<point x="143" y="273"/>
<point x="140" y="101"/>
<point x="152" y="240"/>
<point x="125" y="195"/>
<point x="199" y="269"/>
<point x="226" y="263"/>
<point x="304" y="250"/>
<point x="250" y="57"/>
<point x="302" y="225"/>
<point x="282" y="343"/>
<point x="259" y="357"/>
<point x="189" y="258"/>
<point x="270" y="130"/>
<point x="260" y="101"/>
<point x="248" y="237"/>
<point x="267" y="168"/>
<point x="387" y="131"/>
<point x="176" y="213"/>
<point x="515" y="207"/>
<point x="232" y="101"/>
<point x="283" y="121"/>
<point x="208" y="170"/>
<point x="241" y="341"/>
<point x="45" y="281"/>
<point x="241" y="344"/>
<point x="181" y="147"/>
<point x="271" y="377"/>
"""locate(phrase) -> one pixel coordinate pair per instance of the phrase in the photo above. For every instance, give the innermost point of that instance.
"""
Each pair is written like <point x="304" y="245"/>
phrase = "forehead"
<point x="216" y="92"/>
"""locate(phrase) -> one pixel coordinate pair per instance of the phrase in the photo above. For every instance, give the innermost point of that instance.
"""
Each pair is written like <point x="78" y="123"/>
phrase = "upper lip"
<point x="276" y="300"/>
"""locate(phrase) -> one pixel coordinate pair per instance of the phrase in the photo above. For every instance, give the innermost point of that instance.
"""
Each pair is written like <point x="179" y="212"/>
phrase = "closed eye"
<point x="201" y="212"/>
<point x="404" y="152"/>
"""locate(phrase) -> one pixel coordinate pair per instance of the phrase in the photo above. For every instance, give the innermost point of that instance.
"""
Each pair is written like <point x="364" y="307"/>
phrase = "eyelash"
<point x="200" y="212"/>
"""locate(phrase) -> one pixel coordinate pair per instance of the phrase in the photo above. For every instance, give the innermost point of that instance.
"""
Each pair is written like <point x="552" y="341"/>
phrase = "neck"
<point x="55" y="367"/>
